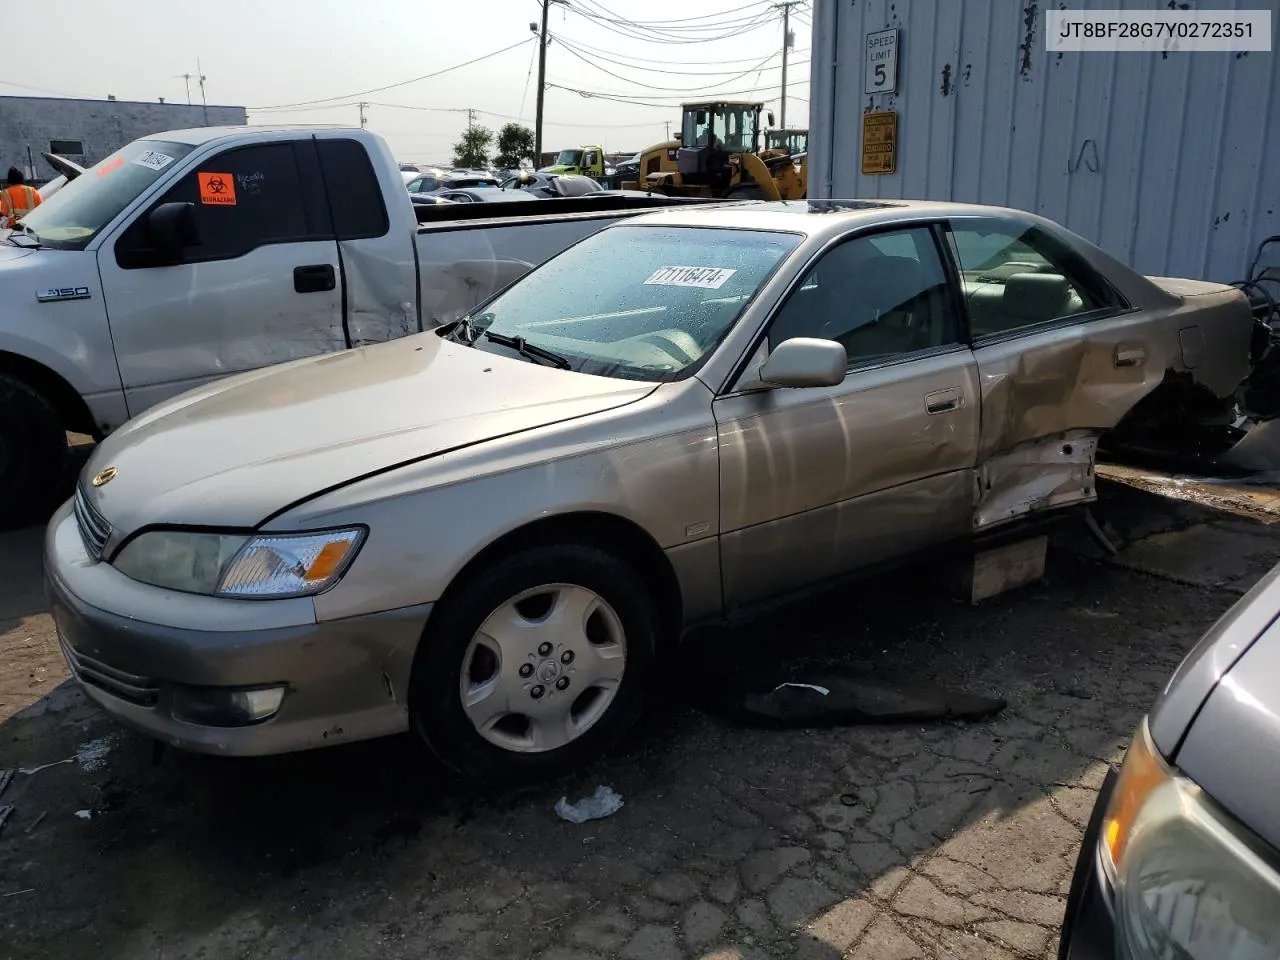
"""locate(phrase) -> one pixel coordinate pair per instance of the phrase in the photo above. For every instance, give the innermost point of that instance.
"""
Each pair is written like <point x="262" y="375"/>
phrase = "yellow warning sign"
<point x="880" y="141"/>
<point x="217" y="188"/>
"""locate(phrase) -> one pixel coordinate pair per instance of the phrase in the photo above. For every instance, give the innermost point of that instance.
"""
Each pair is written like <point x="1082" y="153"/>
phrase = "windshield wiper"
<point x="30" y="238"/>
<point x="520" y="346"/>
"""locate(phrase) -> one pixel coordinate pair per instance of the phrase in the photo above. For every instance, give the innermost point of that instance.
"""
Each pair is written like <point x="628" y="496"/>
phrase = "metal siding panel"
<point x="1181" y="140"/>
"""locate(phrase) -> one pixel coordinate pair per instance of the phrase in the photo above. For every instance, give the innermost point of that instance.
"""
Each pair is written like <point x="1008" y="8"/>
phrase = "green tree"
<point x="515" y="143"/>
<point x="473" y="149"/>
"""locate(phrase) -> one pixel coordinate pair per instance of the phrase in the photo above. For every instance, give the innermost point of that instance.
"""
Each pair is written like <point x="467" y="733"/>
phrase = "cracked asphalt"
<point x="734" y="842"/>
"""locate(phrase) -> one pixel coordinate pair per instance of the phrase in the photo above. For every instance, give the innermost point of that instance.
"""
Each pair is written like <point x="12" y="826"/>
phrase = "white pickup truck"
<point x="195" y="254"/>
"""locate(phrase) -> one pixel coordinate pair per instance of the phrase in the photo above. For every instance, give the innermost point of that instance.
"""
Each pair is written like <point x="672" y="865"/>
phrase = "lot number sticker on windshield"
<point x="153" y="160"/>
<point x="218" y="189"/>
<point x="709" y="278"/>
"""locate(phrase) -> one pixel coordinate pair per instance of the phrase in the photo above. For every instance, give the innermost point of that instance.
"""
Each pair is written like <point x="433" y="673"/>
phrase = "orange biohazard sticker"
<point x="218" y="189"/>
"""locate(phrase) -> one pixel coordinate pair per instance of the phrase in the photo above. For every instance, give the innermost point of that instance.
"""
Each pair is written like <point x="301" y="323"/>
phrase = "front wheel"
<point x="535" y="665"/>
<point x="33" y="455"/>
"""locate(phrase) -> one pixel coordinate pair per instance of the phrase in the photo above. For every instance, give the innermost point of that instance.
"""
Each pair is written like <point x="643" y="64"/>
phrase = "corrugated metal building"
<point x="88" y="130"/>
<point x="1169" y="161"/>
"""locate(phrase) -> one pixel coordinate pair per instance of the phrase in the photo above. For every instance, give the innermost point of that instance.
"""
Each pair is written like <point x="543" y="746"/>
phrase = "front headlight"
<point x="269" y="566"/>
<point x="1190" y="883"/>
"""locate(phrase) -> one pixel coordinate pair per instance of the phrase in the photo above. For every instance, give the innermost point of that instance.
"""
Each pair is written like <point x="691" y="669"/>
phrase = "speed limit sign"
<point x="882" y="62"/>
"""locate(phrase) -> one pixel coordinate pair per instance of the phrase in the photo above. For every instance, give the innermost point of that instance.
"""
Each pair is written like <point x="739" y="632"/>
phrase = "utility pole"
<point x="542" y="81"/>
<point x="786" y="45"/>
<point x="667" y="124"/>
<point x="362" y="105"/>
<point x="187" y="78"/>
<point x="471" y="119"/>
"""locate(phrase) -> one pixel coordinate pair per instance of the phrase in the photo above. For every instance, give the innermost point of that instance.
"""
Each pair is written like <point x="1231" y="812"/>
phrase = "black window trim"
<point x="317" y="145"/>
<point x="1122" y="308"/>
<point x="187" y="260"/>
<point x="934" y="225"/>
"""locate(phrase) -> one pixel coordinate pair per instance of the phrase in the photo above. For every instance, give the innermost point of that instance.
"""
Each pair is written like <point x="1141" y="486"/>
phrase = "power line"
<point x="623" y="97"/>
<point x="700" y="90"/>
<point x="649" y="68"/>
<point x="611" y="21"/>
<point x="389" y="86"/>
<point x="647" y="63"/>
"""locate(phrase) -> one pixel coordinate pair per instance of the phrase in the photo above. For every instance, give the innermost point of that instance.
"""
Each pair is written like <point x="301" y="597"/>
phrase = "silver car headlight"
<point x="269" y="566"/>
<point x="1190" y="884"/>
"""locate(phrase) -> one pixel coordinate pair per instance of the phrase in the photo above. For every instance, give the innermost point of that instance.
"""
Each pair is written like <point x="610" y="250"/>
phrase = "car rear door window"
<point x="355" y="198"/>
<point x="1017" y="276"/>
<point x="880" y="296"/>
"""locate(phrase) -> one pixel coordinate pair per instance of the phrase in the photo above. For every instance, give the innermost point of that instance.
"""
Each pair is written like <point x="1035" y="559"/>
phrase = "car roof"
<point x="814" y="217"/>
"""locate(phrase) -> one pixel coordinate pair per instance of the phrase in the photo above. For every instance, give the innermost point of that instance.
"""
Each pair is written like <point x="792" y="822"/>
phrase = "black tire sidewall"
<point x="435" y="706"/>
<point x="36" y="454"/>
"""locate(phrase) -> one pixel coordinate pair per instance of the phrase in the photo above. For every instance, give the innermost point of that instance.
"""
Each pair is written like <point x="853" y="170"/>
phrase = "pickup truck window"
<point x="351" y="185"/>
<point x="637" y="303"/>
<point x="244" y="198"/>
<point x="77" y="213"/>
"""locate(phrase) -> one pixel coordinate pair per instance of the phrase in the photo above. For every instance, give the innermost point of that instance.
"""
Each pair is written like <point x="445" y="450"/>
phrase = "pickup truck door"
<point x="261" y="286"/>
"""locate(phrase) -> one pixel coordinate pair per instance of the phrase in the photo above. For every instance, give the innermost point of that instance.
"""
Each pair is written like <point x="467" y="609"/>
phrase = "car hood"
<point x="238" y="451"/>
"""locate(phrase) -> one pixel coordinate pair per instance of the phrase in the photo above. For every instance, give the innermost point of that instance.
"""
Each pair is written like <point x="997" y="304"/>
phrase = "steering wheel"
<point x="678" y="344"/>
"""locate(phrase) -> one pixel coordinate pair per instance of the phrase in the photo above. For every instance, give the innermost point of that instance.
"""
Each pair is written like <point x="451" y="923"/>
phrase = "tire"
<point x="33" y="455"/>
<point x="741" y="192"/>
<point x="542" y="743"/>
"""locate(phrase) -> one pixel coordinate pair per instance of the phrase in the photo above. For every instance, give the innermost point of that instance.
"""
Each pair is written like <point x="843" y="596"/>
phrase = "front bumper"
<point x="133" y="646"/>
<point x="1089" y="926"/>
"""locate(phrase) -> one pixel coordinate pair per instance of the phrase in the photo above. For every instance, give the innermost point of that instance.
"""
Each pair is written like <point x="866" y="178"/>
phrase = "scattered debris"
<point x="6" y="811"/>
<point x="36" y="822"/>
<point x="84" y="814"/>
<point x="6" y="777"/>
<point x="1092" y="523"/>
<point x="603" y="803"/>
<point x="803" y="686"/>
<point x="28" y="771"/>
<point x="829" y="698"/>
<point x="18" y="892"/>
<point x="92" y="755"/>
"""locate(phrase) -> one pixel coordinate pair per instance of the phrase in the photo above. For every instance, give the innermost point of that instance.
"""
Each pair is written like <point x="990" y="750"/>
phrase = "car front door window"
<point x="1017" y="276"/>
<point x="880" y="296"/>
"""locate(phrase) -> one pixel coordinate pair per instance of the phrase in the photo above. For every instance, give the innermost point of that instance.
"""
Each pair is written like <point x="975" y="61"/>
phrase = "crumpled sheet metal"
<point x="381" y="299"/>
<point x="1041" y="475"/>
<point x="1067" y="379"/>
<point x="455" y="288"/>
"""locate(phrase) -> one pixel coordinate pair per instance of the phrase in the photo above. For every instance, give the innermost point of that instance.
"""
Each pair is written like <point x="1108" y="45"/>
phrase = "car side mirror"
<point x="805" y="362"/>
<point x="171" y="228"/>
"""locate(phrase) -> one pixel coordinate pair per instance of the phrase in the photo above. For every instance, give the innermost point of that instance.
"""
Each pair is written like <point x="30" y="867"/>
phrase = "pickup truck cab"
<point x="584" y="161"/>
<point x="194" y="254"/>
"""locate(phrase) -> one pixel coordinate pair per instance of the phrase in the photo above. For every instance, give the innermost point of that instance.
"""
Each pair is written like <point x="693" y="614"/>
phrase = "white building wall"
<point x="1171" y="162"/>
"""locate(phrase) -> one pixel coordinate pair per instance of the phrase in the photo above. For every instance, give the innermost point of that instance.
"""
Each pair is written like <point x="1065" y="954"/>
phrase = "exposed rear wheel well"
<point x="65" y="399"/>
<point x="608" y="532"/>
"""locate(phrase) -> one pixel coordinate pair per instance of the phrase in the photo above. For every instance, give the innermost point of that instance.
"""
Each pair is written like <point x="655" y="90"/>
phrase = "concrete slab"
<point x="1205" y="555"/>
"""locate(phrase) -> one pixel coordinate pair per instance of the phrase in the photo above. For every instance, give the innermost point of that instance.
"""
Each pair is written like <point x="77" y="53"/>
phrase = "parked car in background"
<point x="485" y="195"/>
<point x="680" y="417"/>
<point x="1181" y="858"/>
<point x="553" y="185"/>
<point x="629" y="168"/>
<point x="425" y="181"/>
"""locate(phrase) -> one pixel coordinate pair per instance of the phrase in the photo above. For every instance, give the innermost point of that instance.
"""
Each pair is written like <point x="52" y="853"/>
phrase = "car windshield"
<point x="637" y="302"/>
<point x="75" y="214"/>
<point x="568" y="158"/>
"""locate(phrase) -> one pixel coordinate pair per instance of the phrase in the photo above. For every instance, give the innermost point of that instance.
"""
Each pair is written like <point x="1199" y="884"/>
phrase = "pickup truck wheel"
<point x="33" y="454"/>
<point x="536" y="665"/>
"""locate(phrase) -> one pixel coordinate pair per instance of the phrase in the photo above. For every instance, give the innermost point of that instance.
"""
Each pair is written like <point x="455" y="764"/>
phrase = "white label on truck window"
<point x="153" y="160"/>
<point x="709" y="278"/>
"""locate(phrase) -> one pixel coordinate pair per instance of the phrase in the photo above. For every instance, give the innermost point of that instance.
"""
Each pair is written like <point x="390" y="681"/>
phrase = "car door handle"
<point x="944" y="401"/>
<point x="314" y="278"/>
<point x="1128" y="356"/>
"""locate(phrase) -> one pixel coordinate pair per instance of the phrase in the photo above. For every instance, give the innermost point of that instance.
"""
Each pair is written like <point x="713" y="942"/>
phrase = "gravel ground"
<point x="940" y="840"/>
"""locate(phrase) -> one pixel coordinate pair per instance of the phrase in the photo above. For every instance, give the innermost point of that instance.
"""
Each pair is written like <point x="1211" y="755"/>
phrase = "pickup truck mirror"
<point x="171" y="227"/>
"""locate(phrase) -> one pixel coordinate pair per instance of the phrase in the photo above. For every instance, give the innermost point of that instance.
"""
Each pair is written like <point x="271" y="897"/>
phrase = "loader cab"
<point x="789" y="141"/>
<point x="711" y="133"/>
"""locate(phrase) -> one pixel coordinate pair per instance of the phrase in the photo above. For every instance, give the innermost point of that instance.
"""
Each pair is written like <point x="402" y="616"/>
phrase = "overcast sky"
<point x="265" y="53"/>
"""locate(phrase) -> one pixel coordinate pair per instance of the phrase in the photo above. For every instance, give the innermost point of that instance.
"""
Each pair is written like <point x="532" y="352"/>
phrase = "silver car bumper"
<point x="139" y="650"/>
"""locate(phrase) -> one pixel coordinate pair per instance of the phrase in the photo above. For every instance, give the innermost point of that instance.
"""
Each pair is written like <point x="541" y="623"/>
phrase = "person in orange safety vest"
<point x="17" y="199"/>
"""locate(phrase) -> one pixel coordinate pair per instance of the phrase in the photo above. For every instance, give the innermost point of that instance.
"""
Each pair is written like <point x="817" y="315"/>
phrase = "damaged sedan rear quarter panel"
<point x="1048" y="395"/>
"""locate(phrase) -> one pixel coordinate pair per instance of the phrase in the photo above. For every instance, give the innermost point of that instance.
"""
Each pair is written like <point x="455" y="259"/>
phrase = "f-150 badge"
<point x="62" y="293"/>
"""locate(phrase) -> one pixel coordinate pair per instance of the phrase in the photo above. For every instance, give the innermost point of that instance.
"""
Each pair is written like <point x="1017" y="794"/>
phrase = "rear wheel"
<point x="33" y="454"/>
<point x="744" y="192"/>
<point x="535" y="665"/>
